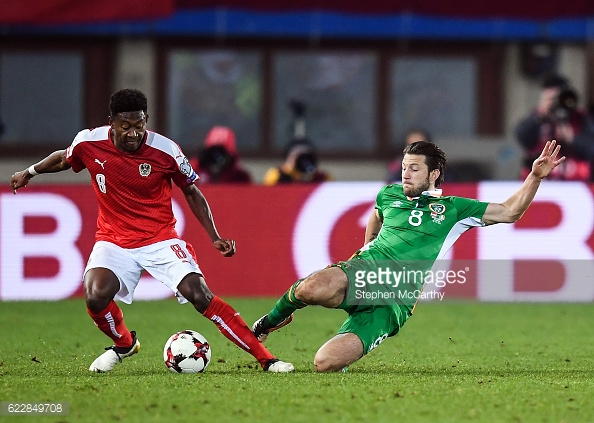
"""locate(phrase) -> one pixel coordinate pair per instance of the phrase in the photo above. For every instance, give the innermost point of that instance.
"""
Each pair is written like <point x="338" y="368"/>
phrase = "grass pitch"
<point x="452" y="362"/>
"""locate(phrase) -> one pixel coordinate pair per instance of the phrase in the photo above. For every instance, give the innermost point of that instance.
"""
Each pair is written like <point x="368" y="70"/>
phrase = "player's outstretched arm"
<point x="201" y="210"/>
<point x="55" y="162"/>
<point x="515" y="206"/>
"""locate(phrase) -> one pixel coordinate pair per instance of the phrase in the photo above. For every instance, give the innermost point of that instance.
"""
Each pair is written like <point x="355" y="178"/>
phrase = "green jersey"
<point x="421" y="228"/>
<point x="415" y="232"/>
<point x="386" y="277"/>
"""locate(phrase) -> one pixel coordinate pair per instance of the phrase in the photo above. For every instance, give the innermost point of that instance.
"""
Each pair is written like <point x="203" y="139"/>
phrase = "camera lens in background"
<point x="568" y="99"/>
<point x="306" y="163"/>
<point x="215" y="158"/>
<point x="566" y="102"/>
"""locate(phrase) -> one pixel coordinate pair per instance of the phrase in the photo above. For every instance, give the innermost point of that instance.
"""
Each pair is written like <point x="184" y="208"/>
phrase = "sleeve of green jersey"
<point x="468" y="207"/>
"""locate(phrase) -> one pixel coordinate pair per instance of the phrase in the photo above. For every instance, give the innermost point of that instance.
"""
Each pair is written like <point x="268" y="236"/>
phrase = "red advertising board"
<point x="287" y="232"/>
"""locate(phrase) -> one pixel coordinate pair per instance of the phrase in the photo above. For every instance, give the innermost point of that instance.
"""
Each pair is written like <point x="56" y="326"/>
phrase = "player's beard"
<point x="416" y="190"/>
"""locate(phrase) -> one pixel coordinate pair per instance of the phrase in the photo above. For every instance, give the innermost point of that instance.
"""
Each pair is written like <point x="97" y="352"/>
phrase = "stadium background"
<point x="60" y="60"/>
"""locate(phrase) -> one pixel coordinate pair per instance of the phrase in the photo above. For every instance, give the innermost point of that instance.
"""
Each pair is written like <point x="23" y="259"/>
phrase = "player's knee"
<point x="324" y="363"/>
<point x="96" y="305"/>
<point x="194" y="289"/>
<point x="97" y="297"/>
<point x="307" y="290"/>
<point x="321" y="365"/>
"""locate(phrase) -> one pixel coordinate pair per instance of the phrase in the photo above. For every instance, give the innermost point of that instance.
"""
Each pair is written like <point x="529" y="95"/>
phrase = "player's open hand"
<point x="20" y="180"/>
<point x="225" y="246"/>
<point x="547" y="161"/>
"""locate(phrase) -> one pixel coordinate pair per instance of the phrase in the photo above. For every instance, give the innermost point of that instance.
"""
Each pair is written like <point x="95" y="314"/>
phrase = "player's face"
<point x="416" y="177"/>
<point x="128" y="129"/>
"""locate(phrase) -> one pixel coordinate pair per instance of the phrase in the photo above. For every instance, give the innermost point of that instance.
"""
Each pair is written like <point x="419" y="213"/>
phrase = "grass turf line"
<point x="452" y="361"/>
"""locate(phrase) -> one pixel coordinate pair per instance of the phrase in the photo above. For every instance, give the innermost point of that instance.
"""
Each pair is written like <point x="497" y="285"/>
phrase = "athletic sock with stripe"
<point x="230" y="324"/>
<point x="111" y="322"/>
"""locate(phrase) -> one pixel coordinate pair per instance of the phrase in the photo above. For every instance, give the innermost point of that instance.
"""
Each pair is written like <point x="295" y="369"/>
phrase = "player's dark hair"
<point x="435" y="158"/>
<point x="127" y="100"/>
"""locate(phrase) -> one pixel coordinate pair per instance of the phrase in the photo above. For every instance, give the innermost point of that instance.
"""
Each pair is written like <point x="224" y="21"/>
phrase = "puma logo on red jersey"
<point x="101" y="163"/>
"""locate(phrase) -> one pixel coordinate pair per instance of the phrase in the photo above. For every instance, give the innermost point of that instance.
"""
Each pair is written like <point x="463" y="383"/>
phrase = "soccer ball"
<point x="187" y="352"/>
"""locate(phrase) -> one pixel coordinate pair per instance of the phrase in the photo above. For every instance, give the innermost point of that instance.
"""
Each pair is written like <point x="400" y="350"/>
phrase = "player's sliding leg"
<point x="326" y="288"/>
<point x="339" y="352"/>
<point x="281" y="315"/>
<point x="101" y="285"/>
<point x="229" y="322"/>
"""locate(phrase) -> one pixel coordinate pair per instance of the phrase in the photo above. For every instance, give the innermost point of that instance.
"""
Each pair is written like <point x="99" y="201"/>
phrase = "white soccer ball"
<point x="187" y="352"/>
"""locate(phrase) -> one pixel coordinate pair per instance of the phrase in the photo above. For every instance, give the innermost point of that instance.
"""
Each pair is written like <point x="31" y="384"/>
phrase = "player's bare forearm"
<point x="514" y="207"/>
<point x="374" y="224"/>
<point x="201" y="210"/>
<point x="55" y="162"/>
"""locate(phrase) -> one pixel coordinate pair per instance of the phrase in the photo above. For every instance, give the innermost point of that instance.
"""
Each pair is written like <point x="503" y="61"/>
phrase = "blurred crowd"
<point x="558" y="115"/>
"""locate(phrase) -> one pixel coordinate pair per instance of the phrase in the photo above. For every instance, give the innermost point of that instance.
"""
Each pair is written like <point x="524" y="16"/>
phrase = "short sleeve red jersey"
<point x="133" y="189"/>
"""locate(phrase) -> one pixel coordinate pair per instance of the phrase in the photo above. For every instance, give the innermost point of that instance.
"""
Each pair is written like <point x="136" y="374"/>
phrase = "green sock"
<point x="286" y="305"/>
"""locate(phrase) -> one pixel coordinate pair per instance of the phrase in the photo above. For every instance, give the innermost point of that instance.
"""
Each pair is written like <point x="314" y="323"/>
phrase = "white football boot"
<point x="276" y="366"/>
<point x="114" y="355"/>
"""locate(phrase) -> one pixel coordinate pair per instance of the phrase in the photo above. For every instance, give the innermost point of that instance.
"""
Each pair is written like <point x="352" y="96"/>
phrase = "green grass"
<point x="451" y="362"/>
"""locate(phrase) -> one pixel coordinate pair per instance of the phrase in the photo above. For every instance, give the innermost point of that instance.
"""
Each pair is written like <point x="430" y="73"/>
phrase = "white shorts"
<point x="167" y="261"/>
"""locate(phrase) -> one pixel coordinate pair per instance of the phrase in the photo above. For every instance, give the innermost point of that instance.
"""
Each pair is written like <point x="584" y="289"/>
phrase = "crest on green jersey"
<point x="437" y="208"/>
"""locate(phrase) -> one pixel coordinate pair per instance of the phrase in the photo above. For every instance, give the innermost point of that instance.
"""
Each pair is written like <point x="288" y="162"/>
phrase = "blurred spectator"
<point x="218" y="160"/>
<point x="558" y="117"/>
<point x="300" y="165"/>
<point x="395" y="166"/>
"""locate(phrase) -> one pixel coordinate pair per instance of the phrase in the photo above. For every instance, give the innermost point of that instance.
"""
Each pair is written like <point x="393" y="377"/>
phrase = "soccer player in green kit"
<point x="411" y="223"/>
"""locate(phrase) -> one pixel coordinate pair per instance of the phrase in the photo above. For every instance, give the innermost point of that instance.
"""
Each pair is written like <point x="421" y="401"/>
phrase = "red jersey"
<point x="133" y="189"/>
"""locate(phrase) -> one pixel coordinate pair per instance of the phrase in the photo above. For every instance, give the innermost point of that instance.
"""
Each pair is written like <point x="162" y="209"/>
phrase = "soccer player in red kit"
<point x="131" y="169"/>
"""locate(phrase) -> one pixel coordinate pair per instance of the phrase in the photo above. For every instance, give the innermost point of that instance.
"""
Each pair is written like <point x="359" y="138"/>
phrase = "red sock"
<point x="111" y="323"/>
<point x="230" y="324"/>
